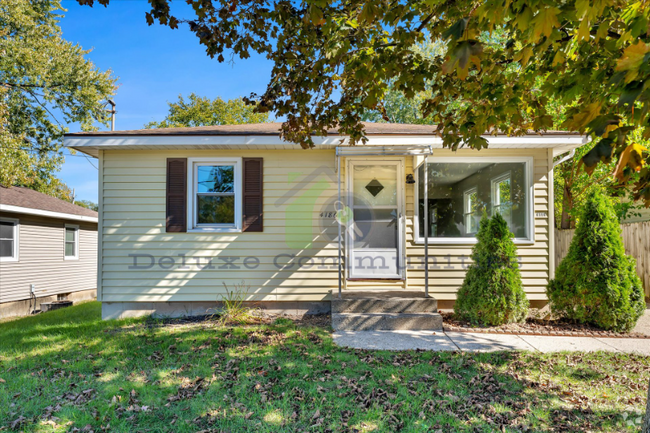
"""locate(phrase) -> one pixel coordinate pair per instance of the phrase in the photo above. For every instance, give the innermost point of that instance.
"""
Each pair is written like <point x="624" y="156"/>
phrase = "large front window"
<point x="461" y="191"/>
<point x="216" y="194"/>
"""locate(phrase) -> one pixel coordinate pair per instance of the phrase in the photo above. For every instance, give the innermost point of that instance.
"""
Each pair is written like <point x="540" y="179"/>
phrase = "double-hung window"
<point x="8" y="239"/>
<point x="71" y="243"/>
<point x="463" y="189"/>
<point x="215" y="194"/>
<point x="470" y="211"/>
<point x="502" y="197"/>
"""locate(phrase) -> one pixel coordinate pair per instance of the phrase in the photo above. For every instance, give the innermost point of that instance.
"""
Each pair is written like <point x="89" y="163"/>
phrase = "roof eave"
<point x="92" y="144"/>
<point x="46" y="213"/>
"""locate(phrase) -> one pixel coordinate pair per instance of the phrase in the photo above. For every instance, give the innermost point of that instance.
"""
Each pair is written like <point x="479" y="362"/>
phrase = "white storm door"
<point x="374" y="233"/>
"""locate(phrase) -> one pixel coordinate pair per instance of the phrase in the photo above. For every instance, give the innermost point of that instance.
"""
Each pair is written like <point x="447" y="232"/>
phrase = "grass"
<point x="68" y="370"/>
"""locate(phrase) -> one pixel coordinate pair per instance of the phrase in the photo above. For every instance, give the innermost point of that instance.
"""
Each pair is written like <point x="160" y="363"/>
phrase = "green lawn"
<point x="68" y="370"/>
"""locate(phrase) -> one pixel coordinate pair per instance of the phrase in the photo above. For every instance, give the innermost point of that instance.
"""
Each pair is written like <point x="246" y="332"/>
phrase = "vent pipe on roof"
<point x="112" y="111"/>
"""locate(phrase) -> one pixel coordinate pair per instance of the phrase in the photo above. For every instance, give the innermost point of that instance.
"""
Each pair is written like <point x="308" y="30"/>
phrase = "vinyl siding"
<point x="41" y="259"/>
<point x="298" y="186"/>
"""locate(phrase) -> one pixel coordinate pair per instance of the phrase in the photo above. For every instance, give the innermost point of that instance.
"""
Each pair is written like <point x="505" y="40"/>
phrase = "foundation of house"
<point x="121" y="310"/>
<point x="389" y="301"/>
<point x="22" y="308"/>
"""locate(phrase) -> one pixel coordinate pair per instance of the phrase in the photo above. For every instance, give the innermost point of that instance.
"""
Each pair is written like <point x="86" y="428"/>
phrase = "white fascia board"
<point x="46" y="213"/>
<point x="85" y="144"/>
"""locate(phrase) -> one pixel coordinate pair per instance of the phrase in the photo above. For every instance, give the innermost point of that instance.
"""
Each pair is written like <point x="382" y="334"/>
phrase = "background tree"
<point x="596" y="282"/>
<point x="87" y="204"/>
<point x="202" y="111"/>
<point x="45" y="82"/>
<point x="333" y="61"/>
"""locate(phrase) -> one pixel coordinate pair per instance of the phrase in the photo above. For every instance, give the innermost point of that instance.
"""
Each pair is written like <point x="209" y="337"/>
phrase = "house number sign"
<point x="541" y="214"/>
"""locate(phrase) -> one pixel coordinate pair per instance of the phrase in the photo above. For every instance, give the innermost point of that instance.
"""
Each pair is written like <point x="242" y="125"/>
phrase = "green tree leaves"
<point x="45" y="82"/>
<point x="202" y="111"/>
<point x="334" y="62"/>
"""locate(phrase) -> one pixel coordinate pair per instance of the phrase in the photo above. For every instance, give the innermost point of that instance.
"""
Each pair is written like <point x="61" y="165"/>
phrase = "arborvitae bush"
<point x="492" y="293"/>
<point x="596" y="283"/>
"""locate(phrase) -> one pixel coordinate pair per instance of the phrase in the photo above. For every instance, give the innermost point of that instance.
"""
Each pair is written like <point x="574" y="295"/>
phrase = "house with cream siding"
<point x="48" y="251"/>
<point x="187" y="214"/>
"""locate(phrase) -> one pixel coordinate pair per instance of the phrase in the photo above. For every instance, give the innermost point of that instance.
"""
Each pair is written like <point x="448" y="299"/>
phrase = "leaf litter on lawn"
<point x="292" y="378"/>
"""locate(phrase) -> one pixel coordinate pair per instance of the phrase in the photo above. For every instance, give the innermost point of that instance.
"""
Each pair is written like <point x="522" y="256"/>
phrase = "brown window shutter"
<point x="252" y="195"/>
<point x="176" y="194"/>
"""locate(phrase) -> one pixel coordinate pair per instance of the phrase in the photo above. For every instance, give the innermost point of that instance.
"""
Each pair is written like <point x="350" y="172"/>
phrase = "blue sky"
<point x="154" y="65"/>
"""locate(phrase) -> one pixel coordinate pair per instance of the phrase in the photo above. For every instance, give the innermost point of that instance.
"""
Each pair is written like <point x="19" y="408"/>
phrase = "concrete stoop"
<point x="385" y="311"/>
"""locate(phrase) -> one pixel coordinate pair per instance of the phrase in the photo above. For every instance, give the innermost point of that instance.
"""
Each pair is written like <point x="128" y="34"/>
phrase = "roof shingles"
<point x="28" y="198"/>
<point x="273" y="129"/>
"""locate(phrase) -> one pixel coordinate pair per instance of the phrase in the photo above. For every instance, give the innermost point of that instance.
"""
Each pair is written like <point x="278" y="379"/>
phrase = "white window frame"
<point x="467" y="213"/>
<point x="469" y="240"/>
<point x="192" y="176"/>
<point x="496" y="196"/>
<point x="76" y="241"/>
<point x="16" y="223"/>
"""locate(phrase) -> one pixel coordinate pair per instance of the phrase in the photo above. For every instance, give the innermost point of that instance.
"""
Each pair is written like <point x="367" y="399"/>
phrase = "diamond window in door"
<point x="374" y="187"/>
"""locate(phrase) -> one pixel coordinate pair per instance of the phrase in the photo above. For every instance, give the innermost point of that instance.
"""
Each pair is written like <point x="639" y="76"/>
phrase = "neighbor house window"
<point x="462" y="190"/>
<point x="71" y="242"/>
<point x="215" y="198"/>
<point x="8" y="239"/>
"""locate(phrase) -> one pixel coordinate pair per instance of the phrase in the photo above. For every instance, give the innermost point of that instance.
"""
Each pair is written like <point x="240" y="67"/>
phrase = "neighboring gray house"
<point x="48" y="251"/>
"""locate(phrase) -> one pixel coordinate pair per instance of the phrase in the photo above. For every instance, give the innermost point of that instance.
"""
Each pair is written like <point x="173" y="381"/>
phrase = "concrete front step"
<point x="386" y="321"/>
<point x="390" y="305"/>
<point x="383" y="301"/>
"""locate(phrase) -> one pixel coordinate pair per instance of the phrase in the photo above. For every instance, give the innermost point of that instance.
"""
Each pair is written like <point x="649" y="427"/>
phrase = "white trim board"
<point x="91" y="145"/>
<point x="46" y="213"/>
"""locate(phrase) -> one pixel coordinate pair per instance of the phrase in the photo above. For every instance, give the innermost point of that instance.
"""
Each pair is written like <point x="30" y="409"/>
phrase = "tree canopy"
<point x="333" y="61"/>
<point x="45" y="82"/>
<point x="202" y="111"/>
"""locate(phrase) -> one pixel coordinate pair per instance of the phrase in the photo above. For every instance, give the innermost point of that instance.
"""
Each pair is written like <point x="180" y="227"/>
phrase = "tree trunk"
<point x="567" y="205"/>
<point x="646" y="424"/>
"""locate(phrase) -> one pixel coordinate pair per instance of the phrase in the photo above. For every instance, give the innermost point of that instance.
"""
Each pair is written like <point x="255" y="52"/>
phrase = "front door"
<point x="374" y="234"/>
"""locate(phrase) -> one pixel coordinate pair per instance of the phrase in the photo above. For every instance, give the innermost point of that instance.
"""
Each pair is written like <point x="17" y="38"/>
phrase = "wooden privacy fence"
<point x="636" y="237"/>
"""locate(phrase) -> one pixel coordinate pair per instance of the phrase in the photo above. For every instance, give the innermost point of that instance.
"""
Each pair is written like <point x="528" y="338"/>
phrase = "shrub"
<point x="492" y="293"/>
<point x="234" y="309"/>
<point x="596" y="283"/>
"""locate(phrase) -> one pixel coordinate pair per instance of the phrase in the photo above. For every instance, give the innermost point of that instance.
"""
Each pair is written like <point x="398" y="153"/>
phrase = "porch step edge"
<point x="386" y="321"/>
<point x="390" y="305"/>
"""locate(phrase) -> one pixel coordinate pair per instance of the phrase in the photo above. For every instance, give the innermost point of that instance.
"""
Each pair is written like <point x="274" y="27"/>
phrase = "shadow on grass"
<point x="73" y="370"/>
